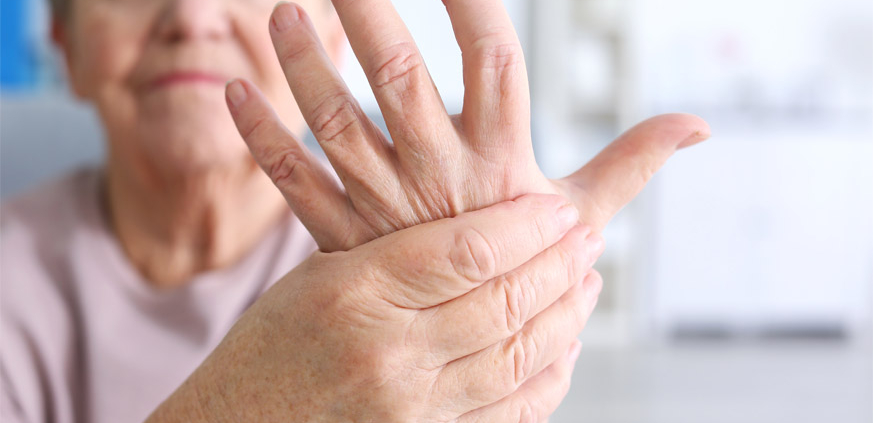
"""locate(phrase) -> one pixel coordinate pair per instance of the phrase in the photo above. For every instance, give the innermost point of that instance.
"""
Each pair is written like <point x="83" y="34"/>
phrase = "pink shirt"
<point x="83" y="337"/>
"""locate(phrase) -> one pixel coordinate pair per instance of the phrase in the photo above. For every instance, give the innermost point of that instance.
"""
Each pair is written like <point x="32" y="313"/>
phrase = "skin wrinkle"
<point x="402" y="88"/>
<point x="335" y="339"/>
<point x="419" y="207"/>
<point x="520" y="350"/>
<point x="285" y="169"/>
<point x="403" y="63"/>
<point x="483" y="185"/>
<point x="476" y="256"/>
<point x="514" y="314"/>
<point x="336" y="120"/>
<point x="254" y="129"/>
<point x="368" y="365"/>
<point x="167" y="152"/>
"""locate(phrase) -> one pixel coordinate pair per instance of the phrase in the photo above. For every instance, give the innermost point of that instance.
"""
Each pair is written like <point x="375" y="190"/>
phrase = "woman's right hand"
<point x="468" y="319"/>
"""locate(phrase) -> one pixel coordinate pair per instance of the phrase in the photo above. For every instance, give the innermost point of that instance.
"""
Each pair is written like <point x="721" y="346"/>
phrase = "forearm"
<point x="203" y="397"/>
<point x="193" y="402"/>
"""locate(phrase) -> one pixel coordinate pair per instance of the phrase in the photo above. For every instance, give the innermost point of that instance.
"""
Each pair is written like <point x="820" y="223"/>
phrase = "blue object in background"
<point x="18" y="60"/>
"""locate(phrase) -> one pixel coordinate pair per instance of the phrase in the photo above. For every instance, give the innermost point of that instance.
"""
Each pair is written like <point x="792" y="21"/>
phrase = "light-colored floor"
<point x="723" y="382"/>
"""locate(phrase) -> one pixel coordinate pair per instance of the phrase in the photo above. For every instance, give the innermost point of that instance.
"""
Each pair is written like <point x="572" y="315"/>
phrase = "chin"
<point x="194" y="140"/>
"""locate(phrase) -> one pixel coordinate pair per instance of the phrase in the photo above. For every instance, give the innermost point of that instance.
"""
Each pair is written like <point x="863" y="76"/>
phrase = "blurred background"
<point x="739" y="285"/>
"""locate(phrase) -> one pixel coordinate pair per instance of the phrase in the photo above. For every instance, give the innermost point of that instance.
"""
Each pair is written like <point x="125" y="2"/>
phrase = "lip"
<point x="188" y="78"/>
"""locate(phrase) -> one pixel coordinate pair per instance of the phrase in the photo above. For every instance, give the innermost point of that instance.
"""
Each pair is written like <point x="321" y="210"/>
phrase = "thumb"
<point x="618" y="173"/>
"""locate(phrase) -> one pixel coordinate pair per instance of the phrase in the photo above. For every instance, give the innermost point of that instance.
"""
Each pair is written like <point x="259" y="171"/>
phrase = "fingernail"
<point x="592" y="288"/>
<point x="575" y="350"/>
<point x="284" y="15"/>
<point x="595" y="243"/>
<point x="236" y="93"/>
<point x="696" y="137"/>
<point x="567" y="216"/>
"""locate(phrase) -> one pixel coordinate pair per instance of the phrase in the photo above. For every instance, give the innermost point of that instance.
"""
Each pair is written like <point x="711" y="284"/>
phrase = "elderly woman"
<point x="452" y="276"/>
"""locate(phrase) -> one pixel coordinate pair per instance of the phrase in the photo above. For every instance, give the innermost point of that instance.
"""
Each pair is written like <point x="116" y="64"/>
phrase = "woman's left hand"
<point x="438" y="165"/>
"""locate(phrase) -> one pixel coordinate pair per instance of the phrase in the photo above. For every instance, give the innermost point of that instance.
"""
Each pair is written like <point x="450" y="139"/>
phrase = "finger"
<point x="615" y="176"/>
<point x="413" y="110"/>
<point x="537" y="399"/>
<point x="501" y="307"/>
<point x="501" y="369"/>
<point x="496" y="96"/>
<point x="435" y="262"/>
<point x="352" y="143"/>
<point x="308" y="188"/>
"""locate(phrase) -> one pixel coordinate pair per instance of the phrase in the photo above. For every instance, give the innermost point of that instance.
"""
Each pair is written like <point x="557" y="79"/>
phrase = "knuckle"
<point x="473" y="257"/>
<point x="498" y="54"/>
<point x="520" y="354"/>
<point x="396" y="63"/>
<point x="541" y="231"/>
<point x="497" y="49"/>
<point x="568" y="259"/>
<point x="499" y="63"/>
<point x="526" y="411"/>
<point x="286" y="168"/>
<point x="517" y="301"/>
<point x="334" y="117"/>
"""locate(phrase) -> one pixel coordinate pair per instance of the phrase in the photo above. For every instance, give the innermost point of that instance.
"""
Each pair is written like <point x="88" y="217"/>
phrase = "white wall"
<point x="769" y="224"/>
<point x="769" y="231"/>
<point x="430" y="27"/>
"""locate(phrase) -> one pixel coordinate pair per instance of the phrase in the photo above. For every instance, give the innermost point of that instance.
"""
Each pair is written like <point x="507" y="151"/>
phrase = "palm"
<point x="438" y="165"/>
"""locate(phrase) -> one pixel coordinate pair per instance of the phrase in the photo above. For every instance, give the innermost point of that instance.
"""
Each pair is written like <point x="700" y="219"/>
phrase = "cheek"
<point x="105" y="52"/>
<point x="265" y="61"/>
<point x="253" y="33"/>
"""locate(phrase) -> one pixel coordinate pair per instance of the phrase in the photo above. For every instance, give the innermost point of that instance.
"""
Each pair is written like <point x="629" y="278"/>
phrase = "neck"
<point x="173" y="227"/>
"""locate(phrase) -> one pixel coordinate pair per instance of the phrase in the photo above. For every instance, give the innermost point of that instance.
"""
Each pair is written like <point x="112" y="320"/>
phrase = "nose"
<point x="193" y="19"/>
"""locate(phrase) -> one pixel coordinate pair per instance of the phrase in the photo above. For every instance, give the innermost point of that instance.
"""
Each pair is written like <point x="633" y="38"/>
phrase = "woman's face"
<point x="156" y="71"/>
